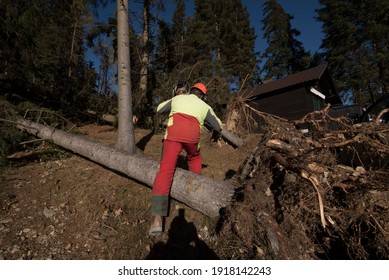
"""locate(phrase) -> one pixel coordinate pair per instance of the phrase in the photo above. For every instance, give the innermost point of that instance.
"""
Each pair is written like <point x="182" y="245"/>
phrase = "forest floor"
<point x="321" y="194"/>
<point x="72" y="208"/>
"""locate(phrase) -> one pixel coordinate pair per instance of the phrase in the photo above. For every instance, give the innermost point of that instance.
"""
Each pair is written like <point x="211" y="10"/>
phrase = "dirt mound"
<point x="323" y="194"/>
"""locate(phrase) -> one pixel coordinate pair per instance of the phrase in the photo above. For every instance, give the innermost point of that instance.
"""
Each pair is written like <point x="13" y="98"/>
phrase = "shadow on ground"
<point x="141" y="145"/>
<point x="182" y="244"/>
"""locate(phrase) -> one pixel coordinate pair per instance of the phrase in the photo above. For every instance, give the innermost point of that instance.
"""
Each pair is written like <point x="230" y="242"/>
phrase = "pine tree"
<point x="102" y="39"/>
<point x="178" y="32"/>
<point x="356" y="46"/>
<point x="170" y="64"/>
<point x="164" y="60"/>
<point x="284" y="54"/>
<point x="222" y="39"/>
<point x="17" y="35"/>
<point x="237" y="40"/>
<point x="44" y="51"/>
<point x="202" y="36"/>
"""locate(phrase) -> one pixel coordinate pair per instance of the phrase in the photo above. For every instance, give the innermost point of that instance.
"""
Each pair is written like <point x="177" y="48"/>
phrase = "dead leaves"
<point x="118" y="212"/>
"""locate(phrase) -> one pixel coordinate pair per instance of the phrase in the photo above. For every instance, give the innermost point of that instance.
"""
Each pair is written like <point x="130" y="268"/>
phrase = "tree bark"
<point x="198" y="192"/>
<point x="233" y="139"/>
<point x="145" y="54"/>
<point x="72" y="50"/>
<point x="126" y="137"/>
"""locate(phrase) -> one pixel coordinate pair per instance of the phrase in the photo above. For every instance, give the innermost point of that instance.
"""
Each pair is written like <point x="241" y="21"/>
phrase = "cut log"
<point x="201" y="193"/>
<point x="230" y="137"/>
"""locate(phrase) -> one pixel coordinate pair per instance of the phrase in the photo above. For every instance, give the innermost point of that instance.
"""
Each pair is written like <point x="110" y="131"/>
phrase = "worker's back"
<point x="187" y="116"/>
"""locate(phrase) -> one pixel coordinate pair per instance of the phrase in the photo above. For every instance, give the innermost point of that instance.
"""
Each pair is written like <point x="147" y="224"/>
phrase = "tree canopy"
<point x="43" y="51"/>
<point x="44" y="45"/>
<point x="285" y="54"/>
<point x="356" y="40"/>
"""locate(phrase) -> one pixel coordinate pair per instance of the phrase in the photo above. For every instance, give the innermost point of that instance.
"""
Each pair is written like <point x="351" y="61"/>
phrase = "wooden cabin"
<point x="296" y="95"/>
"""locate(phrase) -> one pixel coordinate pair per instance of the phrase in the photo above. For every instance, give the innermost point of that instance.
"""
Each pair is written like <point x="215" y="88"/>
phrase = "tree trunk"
<point x="199" y="192"/>
<point x="145" y="54"/>
<point x="72" y="50"/>
<point x="126" y="137"/>
<point x="230" y="137"/>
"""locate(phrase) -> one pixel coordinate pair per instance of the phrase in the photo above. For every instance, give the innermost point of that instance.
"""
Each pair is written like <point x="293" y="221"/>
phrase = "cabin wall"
<point x="290" y="105"/>
<point x="314" y="102"/>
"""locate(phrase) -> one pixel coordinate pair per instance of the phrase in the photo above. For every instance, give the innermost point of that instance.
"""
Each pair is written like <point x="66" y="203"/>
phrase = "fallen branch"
<point x="377" y="121"/>
<point x="315" y="182"/>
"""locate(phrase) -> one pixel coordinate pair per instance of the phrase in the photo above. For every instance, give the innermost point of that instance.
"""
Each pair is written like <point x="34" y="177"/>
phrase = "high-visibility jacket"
<point x="187" y="116"/>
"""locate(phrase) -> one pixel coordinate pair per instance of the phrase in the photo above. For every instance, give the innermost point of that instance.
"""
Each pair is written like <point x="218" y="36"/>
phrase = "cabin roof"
<point x="309" y="77"/>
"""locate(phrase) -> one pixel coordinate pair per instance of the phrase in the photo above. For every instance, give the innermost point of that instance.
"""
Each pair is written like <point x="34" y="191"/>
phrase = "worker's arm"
<point x="213" y="121"/>
<point x="164" y="107"/>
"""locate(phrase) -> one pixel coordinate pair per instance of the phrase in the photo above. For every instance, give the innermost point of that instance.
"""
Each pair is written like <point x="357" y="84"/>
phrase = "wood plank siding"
<point x="294" y="96"/>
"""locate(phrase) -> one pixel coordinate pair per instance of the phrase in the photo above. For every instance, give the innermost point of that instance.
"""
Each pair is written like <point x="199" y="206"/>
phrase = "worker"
<point x="188" y="112"/>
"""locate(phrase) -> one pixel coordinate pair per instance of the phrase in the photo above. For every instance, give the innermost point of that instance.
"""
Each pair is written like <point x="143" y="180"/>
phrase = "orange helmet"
<point x="201" y="87"/>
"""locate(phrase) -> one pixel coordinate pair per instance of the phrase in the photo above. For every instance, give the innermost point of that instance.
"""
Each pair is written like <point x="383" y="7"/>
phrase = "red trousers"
<point x="170" y="154"/>
<point x="164" y="178"/>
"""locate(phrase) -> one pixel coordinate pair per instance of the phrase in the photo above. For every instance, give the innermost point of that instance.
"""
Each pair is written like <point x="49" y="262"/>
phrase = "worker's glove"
<point x="216" y="139"/>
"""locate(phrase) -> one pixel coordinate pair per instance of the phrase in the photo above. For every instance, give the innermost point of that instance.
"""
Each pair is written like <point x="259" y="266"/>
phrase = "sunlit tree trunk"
<point x="126" y="137"/>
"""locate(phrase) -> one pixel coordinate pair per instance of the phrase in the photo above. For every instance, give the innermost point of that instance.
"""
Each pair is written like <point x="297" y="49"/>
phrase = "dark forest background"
<point x="43" y="47"/>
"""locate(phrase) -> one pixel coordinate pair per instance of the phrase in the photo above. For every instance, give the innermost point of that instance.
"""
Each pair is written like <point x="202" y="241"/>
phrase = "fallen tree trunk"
<point x="233" y="139"/>
<point x="230" y="137"/>
<point x="199" y="192"/>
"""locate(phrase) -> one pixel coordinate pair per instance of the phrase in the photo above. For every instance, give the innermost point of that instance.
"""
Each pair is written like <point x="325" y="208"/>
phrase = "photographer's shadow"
<point x="183" y="243"/>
